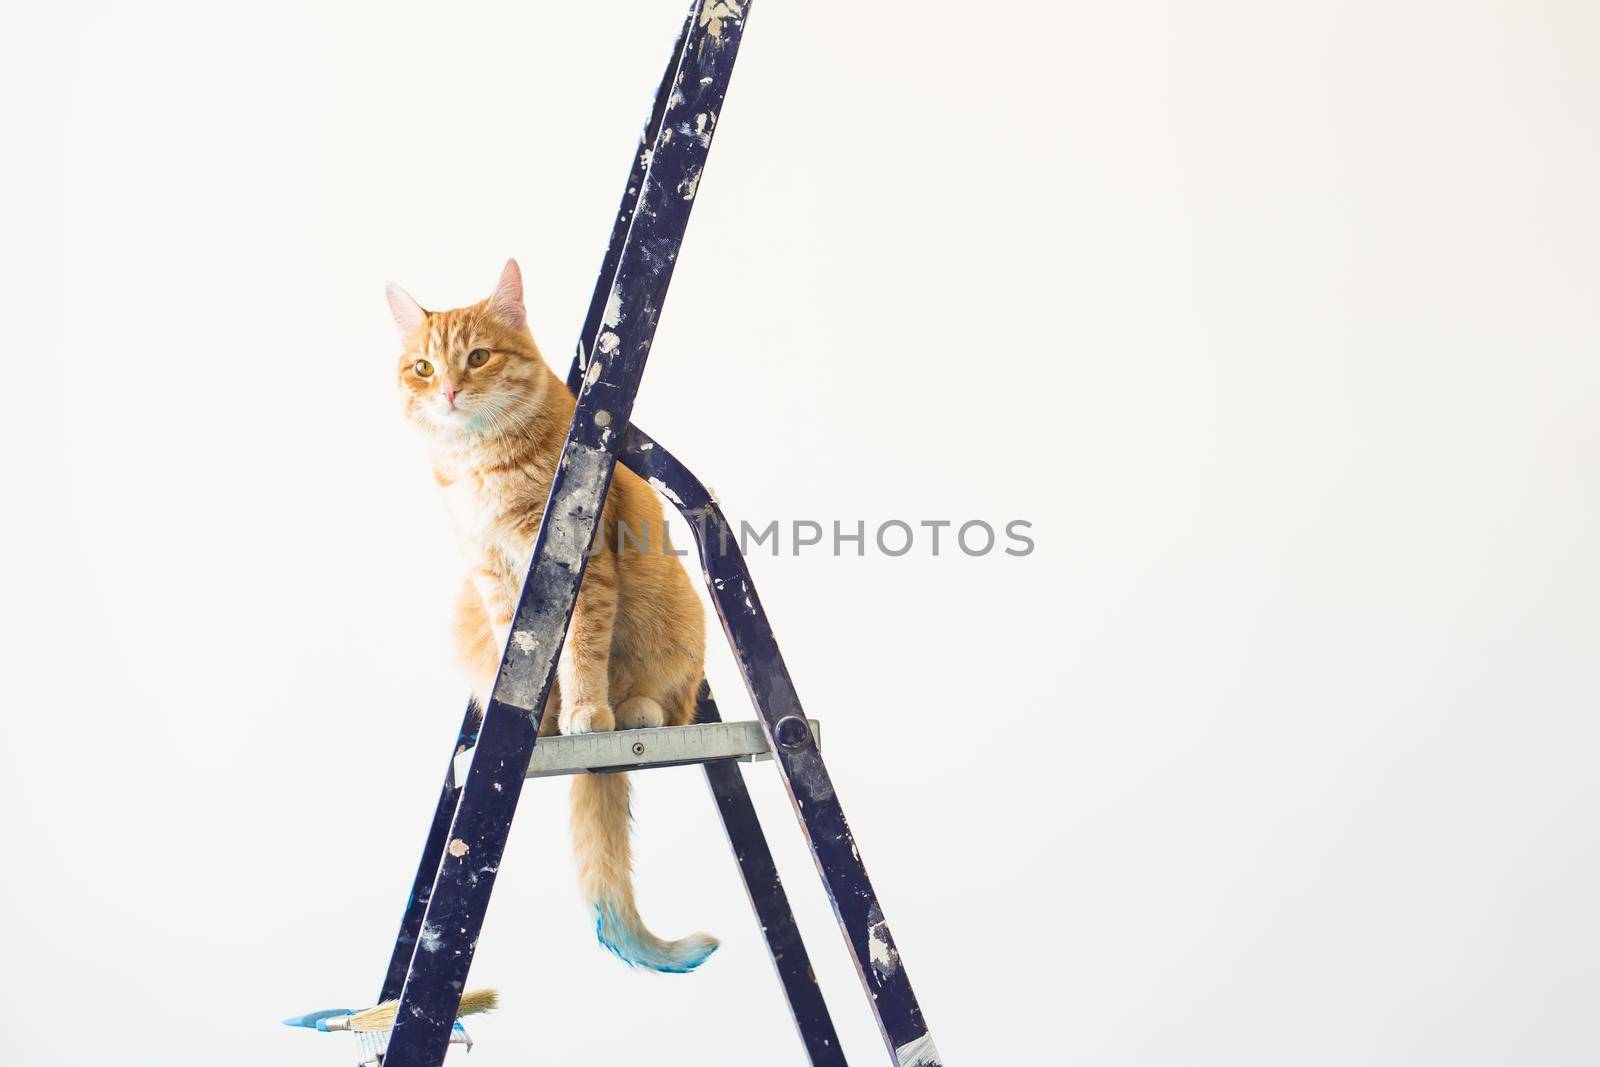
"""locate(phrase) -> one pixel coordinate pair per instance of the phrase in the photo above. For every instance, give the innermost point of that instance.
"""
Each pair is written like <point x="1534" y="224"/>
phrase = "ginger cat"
<point x="496" y="418"/>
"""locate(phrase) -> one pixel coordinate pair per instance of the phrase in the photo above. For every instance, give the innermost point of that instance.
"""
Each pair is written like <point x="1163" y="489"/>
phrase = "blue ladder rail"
<point x="444" y="914"/>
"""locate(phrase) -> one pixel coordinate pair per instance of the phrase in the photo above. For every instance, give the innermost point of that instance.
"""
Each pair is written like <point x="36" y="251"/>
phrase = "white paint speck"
<point x="661" y="487"/>
<point x="918" y="1052"/>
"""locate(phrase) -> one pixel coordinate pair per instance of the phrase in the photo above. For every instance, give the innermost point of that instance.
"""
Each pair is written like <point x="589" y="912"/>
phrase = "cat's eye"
<point x="477" y="357"/>
<point x="423" y="368"/>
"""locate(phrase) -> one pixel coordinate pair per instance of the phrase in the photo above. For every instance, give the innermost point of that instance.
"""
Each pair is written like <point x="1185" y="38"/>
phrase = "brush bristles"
<point x="374" y="1020"/>
<point x="478" y="1001"/>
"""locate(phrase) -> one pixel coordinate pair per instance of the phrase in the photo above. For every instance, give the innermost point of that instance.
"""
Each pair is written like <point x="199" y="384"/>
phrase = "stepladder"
<point x="498" y="746"/>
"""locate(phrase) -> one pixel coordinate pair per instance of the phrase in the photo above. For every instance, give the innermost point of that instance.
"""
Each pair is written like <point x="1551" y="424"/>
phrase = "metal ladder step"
<point x="633" y="750"/>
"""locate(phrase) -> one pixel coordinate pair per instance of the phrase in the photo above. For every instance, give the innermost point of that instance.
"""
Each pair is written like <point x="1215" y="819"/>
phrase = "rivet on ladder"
<point x="792" y="731"/>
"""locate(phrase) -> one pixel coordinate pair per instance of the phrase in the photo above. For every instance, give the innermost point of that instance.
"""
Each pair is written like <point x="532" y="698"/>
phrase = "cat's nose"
<point x="449" y="395"/>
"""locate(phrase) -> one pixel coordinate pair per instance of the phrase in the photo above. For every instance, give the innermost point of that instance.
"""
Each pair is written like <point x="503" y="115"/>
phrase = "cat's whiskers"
<point x="489" y="414"/>
<point x="497" y="412"/>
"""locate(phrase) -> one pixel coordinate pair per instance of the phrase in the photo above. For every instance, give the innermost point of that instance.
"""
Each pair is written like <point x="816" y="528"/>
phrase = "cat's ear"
<point x="506" y="303"/>
<point x="408" y="314"/>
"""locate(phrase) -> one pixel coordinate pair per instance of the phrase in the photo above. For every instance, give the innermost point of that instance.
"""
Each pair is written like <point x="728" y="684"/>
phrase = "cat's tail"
<point x="600" y="826"/>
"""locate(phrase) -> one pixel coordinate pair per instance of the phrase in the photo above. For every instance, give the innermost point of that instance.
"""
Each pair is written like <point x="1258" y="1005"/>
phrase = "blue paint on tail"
<point x="680" y="958"/>
<point x="600" y="935"/>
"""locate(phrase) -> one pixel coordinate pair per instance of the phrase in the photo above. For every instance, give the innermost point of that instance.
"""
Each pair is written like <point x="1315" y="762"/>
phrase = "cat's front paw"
<point x="587" y="719"/>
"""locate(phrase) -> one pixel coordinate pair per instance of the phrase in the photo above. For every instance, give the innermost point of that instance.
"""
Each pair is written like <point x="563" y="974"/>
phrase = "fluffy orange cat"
<point x="496" y="418"/>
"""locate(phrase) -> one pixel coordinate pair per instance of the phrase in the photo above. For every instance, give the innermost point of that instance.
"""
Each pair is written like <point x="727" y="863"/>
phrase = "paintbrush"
<point x="380" y="1018"/>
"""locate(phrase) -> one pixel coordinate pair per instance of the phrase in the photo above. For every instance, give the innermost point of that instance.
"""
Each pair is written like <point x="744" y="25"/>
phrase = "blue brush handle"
<point x="317" y="1020"/>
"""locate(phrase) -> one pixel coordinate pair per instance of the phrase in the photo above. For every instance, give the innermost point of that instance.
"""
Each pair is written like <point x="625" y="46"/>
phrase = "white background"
<point x="1278" y="321"/>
